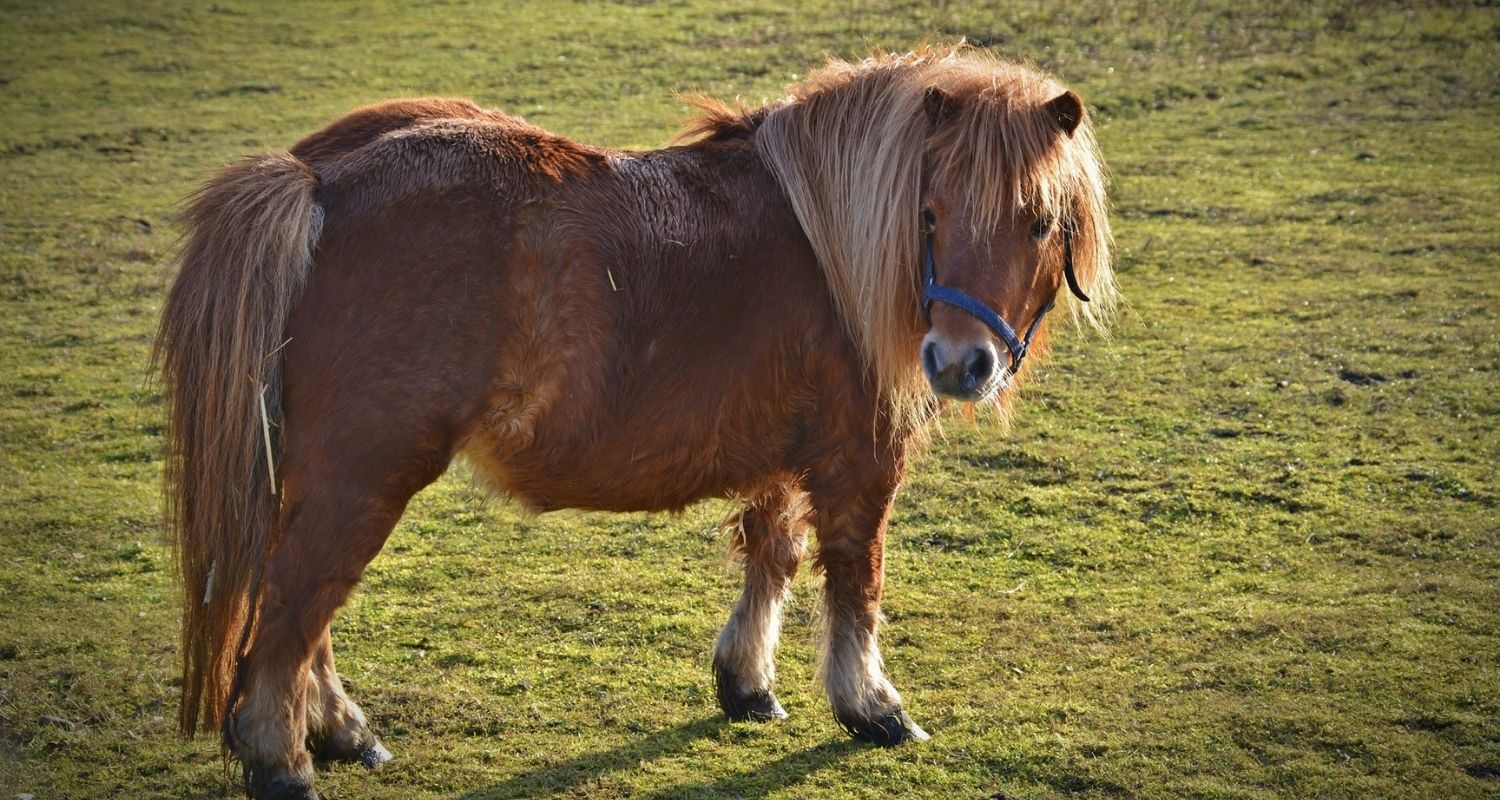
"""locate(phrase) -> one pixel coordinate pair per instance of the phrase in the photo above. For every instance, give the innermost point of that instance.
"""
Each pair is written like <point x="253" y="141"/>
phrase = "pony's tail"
<point x="248" y="249"/>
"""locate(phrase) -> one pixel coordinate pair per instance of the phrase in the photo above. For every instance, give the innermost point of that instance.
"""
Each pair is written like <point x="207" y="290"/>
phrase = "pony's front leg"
<point x="851" y="515"/>
<point x="771" y="537"/>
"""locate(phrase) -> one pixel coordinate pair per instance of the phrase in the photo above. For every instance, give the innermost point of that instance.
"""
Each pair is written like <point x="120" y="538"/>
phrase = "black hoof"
<point x="753" y="707"/>
<point x="370" y="753"/>
<point x="374" y="754"/>
<point x="279" y="788"/>
<point x="887" y="730"/>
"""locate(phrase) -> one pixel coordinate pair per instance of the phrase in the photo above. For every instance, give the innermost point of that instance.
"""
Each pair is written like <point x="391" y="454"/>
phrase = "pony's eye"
<point x="1041" y="228"/>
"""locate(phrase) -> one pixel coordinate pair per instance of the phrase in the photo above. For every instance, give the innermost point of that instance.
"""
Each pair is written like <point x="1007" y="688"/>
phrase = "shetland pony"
<point x="774" y="308"/>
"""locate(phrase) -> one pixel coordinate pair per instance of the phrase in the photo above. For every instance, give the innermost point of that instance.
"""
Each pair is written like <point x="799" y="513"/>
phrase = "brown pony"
<point x="744" y="313"/>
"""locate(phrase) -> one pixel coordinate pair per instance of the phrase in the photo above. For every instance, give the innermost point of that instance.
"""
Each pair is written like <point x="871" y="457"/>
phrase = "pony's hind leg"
<point x="770" y="537"/>
<point x="852" y="509"/>
<point x="312" y="570"/>
<point x="336" y="727"/>
<point x="336" y="517"/>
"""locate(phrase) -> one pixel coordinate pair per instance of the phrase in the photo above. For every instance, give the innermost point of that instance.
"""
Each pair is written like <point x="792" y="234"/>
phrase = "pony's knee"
<point x="772" y="534"/>
<point x="784" y="554"/>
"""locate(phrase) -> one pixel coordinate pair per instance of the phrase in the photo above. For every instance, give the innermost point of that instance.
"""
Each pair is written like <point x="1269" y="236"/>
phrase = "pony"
<point x="773" y="308"/>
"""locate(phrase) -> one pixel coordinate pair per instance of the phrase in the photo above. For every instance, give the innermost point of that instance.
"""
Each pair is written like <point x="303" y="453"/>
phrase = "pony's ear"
<point x="1067" y="109"/>
<point x="939" y="105"/>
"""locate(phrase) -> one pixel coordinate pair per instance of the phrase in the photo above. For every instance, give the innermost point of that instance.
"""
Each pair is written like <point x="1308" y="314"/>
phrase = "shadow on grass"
<point x="757" y="781"/>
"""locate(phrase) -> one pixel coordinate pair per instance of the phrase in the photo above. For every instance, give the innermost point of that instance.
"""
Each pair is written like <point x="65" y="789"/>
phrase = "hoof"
<point x="371" y="753"/>
<point x="741" y="707"/>
<point x="887" y="730"/>
<point x="278" y="788"/>
<point x="374" y="754"/>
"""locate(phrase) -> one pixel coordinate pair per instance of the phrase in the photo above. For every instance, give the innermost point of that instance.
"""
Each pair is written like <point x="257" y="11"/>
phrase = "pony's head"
<point x="1010" y="179"/>
<point x="950" y="163"/>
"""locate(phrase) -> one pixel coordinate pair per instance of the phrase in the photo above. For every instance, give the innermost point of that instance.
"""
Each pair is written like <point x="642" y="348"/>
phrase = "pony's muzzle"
<point x="968" y="371"/>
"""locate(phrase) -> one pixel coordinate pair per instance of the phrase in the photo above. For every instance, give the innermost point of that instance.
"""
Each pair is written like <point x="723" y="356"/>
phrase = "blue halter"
<point x="932" y="292"/>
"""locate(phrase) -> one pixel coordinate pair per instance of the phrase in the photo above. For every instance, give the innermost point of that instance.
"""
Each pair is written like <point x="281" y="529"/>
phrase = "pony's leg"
<point x="336" y="727"/>
<point x="771" y="538"/>
<point x="851" y="512"/>
<point x="331" y="529"/>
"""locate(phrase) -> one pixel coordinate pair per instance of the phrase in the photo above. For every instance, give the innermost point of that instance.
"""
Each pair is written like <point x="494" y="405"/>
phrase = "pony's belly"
<point x="607" y="480"/>
<point x="655" y="463"/>
<point x="648" y="434"/>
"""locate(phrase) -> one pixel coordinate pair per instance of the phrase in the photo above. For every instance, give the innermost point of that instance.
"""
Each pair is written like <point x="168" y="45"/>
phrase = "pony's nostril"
<point x="981" y="368"/>
<point x="929" y="359"/>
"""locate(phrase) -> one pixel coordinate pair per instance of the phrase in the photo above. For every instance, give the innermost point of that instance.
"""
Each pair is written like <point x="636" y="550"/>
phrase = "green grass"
<point x="1245" y="548"/>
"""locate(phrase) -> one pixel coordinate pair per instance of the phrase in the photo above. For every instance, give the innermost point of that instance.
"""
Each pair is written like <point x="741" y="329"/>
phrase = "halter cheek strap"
<point x="933" y="292"/>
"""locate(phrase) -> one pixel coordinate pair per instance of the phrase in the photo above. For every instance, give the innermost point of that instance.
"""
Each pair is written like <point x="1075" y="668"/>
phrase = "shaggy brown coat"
<point x="735" y="315"/>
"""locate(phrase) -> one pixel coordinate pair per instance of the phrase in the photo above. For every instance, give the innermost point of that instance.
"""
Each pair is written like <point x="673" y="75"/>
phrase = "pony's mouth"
<point x="979" y="394"/>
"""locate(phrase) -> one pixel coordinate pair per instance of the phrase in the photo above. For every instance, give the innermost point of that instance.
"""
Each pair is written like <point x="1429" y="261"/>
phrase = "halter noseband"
<point x="932" y="292"/>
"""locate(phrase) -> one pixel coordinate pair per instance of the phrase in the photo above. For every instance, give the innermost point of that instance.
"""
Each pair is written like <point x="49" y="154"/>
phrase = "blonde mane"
<point x="849" y="146"/>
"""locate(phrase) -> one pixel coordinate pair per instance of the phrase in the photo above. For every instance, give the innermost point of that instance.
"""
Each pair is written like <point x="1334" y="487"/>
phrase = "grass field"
<point x="1247" y="547"/>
